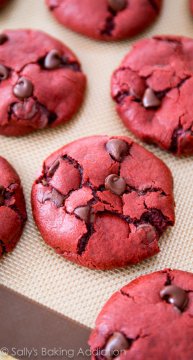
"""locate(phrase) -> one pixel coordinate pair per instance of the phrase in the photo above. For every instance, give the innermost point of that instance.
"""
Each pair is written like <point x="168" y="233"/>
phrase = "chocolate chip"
<point x="83" y="212"/>
<point x="150" y="231"/>
<point x="55" y="197"/>
<point x="2" y="197"/>
<point x="47" y="196"/>
<point x="117" y="149"/>
<point x="116" y="344"/>
<point x="175" y="295"/>
<point x="25" y="110"/>
<point x="117" y="5"/>
<point x="3" y="38"/>
<point x="52" y="60"/>
<point x="150" y="100"/>
<point x="23" y="89"/>
<point x="4" y="72"/>
<point x="115" y="184"/>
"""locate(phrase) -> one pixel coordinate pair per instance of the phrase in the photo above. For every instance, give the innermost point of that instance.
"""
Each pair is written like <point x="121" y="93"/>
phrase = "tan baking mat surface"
<point x="33" y="269"/>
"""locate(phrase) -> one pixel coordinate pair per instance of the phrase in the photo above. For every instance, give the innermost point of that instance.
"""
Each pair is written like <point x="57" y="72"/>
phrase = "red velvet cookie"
<point x="150" y="318"/>
<point x="103" y="202"/>
<point x="152" y="89"/>
<point x="106" y="19"/>
<point x="42" y="86"/>
<point x="12" y="207"/>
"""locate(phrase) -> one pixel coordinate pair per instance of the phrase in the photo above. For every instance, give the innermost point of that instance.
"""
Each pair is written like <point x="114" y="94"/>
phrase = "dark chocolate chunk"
<point x="53" y="60"/>
<point x="3" y="38"/>
<point x="116" y="344"/>
<point x="175" y="295"/>
<point x="117" y="5"/>
<point x="115" y="184"/>
<point x="150" y="100"/>
<point x="117" y="149"/>
<point x="83" y="212"/>
<point x="23" y="89"/>
<point x="4" y="72"/>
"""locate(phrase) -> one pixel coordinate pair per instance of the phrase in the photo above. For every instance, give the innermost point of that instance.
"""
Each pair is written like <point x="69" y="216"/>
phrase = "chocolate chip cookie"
<point x="152" y="89"/>
<point x="150" y="318"/>
<point x="103" y="202"/>
<point x="41" y="83"/>
<point x="106" y="19"/>
<point x="12" y="207"/>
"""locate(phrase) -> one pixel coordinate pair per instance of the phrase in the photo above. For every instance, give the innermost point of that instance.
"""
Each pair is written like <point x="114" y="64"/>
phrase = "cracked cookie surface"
<point x="105" y="19"/>
<point x="103" y="202"/>
<point x="12" y="207"/>
<point x="150" y="318"/>
<point x="152" y="90"/>
<point x="42" y="85"/>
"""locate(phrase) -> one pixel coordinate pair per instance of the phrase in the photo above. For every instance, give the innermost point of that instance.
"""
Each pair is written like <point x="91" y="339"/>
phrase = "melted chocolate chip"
<point x="25" y="110"/>
<point x="53" y="60"/>
<point x="116" y="344"/>
<point x="83" y="212"/>
<point x="150" y="231"/>
<point x="23" y="89"/>
<point x="150" y="100"/>
<point x="175" y="295"/>
<point x="55" y="197"/>
<point x="117" y="5"/>
<point x="115" y="184"/>
<point x="2" y="195"/>
<point x="3" y="38"/>
<point x="4" y="72"/>
<point x="118" y="149"/>
<point x="33" y="110"/>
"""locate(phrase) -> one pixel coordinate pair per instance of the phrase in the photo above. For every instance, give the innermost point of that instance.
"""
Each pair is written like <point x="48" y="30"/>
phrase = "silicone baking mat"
<point x="33" y="269"/>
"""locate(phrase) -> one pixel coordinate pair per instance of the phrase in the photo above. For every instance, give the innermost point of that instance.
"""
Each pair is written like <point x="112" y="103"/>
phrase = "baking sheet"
<point x="33" y="269"/>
